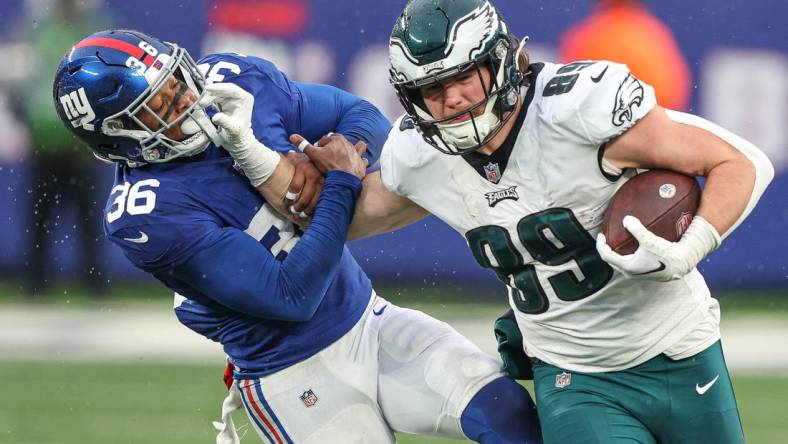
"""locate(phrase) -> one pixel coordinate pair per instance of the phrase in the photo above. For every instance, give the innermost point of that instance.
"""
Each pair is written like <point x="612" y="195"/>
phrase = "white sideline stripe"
<point x="35" y="333"/>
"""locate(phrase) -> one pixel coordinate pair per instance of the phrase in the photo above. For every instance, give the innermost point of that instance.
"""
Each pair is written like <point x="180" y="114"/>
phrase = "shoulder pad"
<point x="601" y="98"/>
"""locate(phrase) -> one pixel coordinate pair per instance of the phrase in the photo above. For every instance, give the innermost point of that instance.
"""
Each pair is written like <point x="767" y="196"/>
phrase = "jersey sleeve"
<point x="391" y="166"/>
<point x="323" y="109"/>
<point x="609" y="100"/>
<point x="283" y="107"/>
<point x="239" y="273"/>
<point x="159" y="245"/>
<point x="275" y="99"/>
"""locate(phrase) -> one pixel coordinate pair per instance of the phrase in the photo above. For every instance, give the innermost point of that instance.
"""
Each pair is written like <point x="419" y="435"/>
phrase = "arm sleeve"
<point x="239" y="273"/>
<point x="327" y="109"/>
<point x="389" y="169"/>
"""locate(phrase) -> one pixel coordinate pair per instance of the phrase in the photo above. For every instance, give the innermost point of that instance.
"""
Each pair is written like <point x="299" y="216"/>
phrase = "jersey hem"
<point x="322" y="342"/>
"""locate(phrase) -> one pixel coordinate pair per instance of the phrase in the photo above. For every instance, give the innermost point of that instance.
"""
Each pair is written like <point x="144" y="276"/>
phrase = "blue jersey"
<point x="283" y="107"/>
<point x="199" y="227"/>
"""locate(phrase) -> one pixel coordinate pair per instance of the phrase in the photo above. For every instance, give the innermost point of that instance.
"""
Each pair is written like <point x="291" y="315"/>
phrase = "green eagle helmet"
<point x="434" y="40"/>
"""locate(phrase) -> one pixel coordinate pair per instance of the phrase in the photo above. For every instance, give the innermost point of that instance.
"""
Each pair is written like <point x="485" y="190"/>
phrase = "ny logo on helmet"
<point x="77" y="108"/>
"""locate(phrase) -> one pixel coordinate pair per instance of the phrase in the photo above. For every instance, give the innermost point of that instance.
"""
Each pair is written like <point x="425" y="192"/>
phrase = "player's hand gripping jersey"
<point x="193" y="223"/>
<point x="531" y="212"/>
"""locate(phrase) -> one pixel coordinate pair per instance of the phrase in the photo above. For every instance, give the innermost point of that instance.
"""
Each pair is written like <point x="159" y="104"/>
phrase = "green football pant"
<point x="660" y="401"/>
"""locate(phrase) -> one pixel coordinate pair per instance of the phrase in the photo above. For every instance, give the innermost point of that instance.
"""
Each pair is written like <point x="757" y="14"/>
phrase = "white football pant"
<point x="396" y="370"/>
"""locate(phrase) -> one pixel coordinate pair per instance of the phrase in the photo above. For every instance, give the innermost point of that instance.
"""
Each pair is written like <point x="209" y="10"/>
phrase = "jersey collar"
<point x="493" y="166"/>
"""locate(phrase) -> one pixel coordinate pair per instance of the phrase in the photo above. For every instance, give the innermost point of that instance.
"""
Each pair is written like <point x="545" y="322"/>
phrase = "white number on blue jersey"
<point x="212" y="74"/>
<point x="274" y="232"/>
<point x="133" y="199"/>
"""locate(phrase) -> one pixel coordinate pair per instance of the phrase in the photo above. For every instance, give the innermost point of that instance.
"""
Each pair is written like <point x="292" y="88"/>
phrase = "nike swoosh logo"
<point x="660" y="268"/>
<point x="380" y="312"/>
<point x="601" y="74"/>
<point x="138" y="240"/>
<point x="701" y="389"/>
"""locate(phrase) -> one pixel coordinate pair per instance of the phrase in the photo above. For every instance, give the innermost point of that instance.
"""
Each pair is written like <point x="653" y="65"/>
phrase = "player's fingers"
<point x="638" y="230"/>
<point x="310" y="209"/>
<point x="307" y="193"/>
<point x="362" y="173"/>
<point x="361" y="147"/>
<point x="224" y="90"/>
<point x="604" y="250"/>
<point x="222" y="120"/>
<point x="301" y="143"/>
<point x="324" y="140"/>
<point x="207" y="99"/>
<point x="295" y="187"/>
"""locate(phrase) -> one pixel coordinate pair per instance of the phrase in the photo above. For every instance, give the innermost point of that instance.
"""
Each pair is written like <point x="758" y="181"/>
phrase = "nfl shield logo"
<point x="563" y="380"/>
<point x="493" y="172"/>
<point x="309" y="398"/>
<point x="683" y="223"/>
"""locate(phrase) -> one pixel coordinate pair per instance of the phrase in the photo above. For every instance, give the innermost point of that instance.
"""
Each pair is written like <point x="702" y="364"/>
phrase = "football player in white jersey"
<point x="522" y="159"/>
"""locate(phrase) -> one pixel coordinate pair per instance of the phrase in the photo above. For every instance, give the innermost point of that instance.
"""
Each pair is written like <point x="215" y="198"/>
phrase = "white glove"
<point x="659" y="259"/>
<point x="235" y="122"/>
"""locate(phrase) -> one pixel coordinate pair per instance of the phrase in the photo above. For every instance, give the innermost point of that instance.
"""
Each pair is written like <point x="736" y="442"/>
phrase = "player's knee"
<point x="502" y="412"/>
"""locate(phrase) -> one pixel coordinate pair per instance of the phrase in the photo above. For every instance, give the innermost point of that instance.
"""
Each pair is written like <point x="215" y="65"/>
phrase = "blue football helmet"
<point x="107" y="78"/>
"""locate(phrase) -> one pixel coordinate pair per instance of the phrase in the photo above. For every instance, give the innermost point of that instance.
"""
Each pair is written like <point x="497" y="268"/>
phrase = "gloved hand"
<point x="510" y="346"/>
<point x="659" y="259"/>
<point x="235" y="115"/>
<point x="235" y="122"/>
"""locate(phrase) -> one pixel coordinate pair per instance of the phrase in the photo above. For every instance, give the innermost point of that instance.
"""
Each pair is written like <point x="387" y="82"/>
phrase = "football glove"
<point x="510" y="346"/>
<point x="659" y="259"/>
<point x="234" y="120"/>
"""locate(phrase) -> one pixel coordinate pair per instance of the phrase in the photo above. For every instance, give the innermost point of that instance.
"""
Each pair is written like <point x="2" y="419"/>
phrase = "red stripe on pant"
<point x="259" y="411"/>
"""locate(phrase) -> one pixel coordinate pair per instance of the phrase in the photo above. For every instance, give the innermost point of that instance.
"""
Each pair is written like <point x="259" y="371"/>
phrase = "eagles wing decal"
<point x="481" y="21"/>
<point x="630" y="94"/>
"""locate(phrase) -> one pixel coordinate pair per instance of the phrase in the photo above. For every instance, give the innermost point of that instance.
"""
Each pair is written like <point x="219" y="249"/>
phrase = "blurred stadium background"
<point x="76" y="367"/>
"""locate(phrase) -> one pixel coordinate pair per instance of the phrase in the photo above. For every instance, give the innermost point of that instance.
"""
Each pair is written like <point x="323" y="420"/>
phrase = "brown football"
<point x="664" y="201"/>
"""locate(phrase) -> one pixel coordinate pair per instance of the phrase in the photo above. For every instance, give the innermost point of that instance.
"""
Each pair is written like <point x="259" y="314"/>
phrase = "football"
<point x="664" y="201"/>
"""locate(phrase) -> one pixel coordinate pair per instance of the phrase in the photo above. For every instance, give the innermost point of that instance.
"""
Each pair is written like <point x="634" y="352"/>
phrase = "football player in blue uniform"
<point x="317" y="355"/>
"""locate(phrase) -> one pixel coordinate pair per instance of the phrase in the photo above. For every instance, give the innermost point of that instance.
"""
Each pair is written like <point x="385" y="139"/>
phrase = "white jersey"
<point x="532" y="210"/>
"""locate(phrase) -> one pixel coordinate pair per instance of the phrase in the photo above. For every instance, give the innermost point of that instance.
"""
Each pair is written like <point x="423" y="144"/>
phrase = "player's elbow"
<point x="286" y="310"/>
<point x="296" y="304"/>
<point x="764" y="169"/>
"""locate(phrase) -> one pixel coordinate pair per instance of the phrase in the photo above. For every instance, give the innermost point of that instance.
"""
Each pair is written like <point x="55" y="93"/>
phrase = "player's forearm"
<point x="274" y="189"/>
<point x="378" y="210"/>
<point x="239" y="273"/>
<point x="735" y="185"/>
<point x="726" y="193"/>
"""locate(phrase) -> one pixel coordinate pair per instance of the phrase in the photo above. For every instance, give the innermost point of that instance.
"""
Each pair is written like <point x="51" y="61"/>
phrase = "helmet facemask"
<point x="471" y="134"/>
<point x="194" y="122"/>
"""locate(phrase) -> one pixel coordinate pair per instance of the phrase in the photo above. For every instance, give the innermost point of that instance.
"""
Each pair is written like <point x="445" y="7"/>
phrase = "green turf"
<point x="66" y="403"/>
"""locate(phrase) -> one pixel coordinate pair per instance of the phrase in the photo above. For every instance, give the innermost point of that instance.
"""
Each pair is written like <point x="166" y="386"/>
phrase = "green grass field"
<point x="68" y="403"/>
<point x="49" y="402"/>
